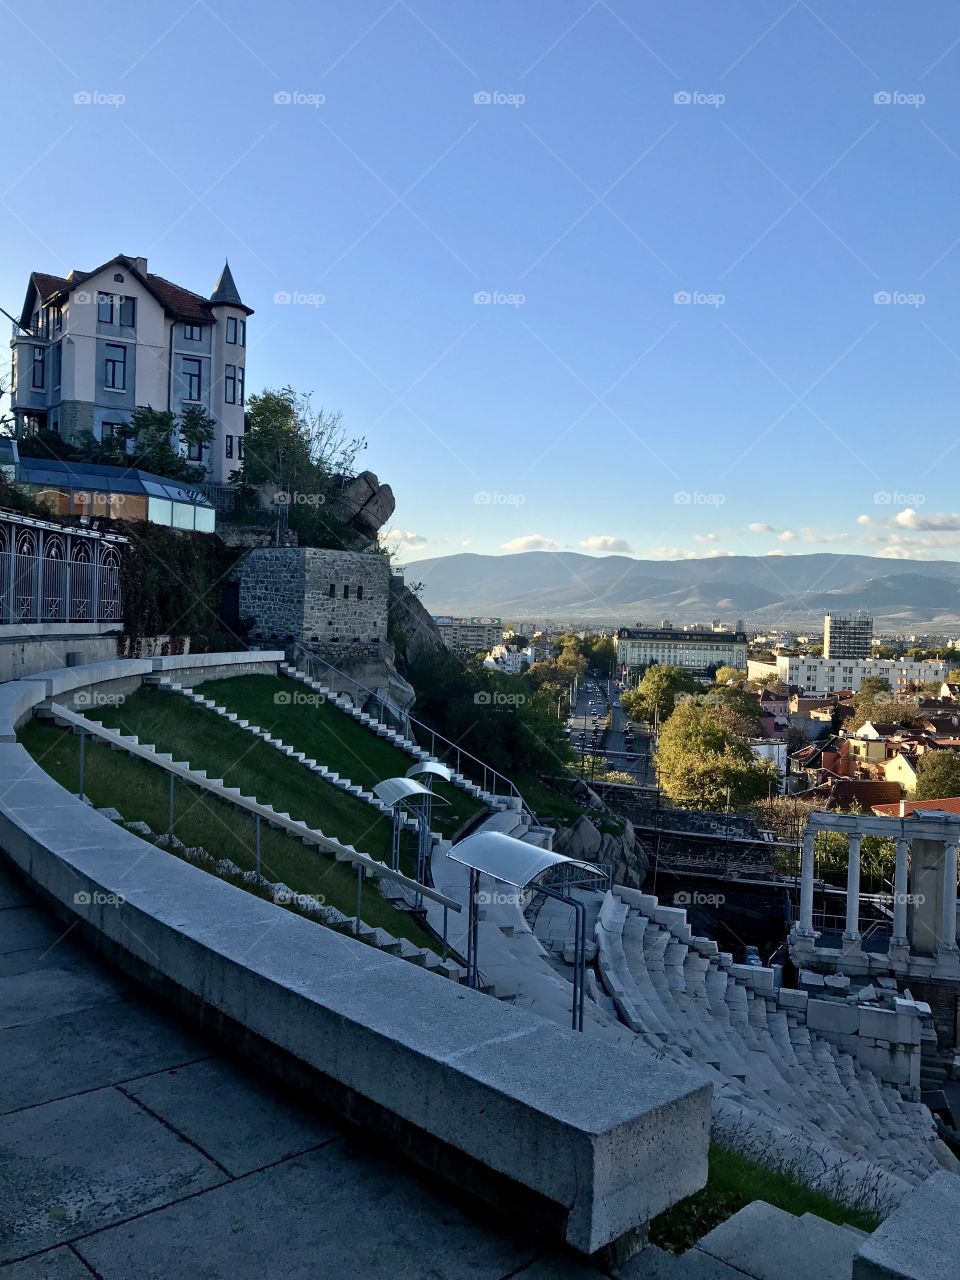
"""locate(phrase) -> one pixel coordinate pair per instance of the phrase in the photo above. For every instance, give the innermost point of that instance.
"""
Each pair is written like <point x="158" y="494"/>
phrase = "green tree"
<point x="723" y="675"/>
<point x="870" y="686"/>
<point x="659" y="689"/>
<point x="938" y="775"/>
<point x="197" y="427"/>
<point x="701" y="761"/>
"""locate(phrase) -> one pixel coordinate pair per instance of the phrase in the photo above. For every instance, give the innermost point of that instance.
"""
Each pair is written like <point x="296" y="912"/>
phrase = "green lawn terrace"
<point x="311" y="724"/>
<point x="140" y="792"/>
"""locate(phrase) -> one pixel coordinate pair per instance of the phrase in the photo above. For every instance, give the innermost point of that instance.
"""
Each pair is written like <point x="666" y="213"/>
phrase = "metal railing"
<point x="40" y="589"/>
<point x="449" y="753"/>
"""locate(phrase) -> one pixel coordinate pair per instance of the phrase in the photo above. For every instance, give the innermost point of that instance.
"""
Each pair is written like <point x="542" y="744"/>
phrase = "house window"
<point x="195" y="452"/>
<point x="333" y="590"/>
<point x="128" y="312"/>
<point x="37" y="376"/>
<point x="115" y="368"/>
<point x="57" y="364"/>
<point x="105" y="308"/>
<point x="57" y="319"/>
<point x="239" y="384"/>
<point x="229" y="440"/>
<point x="230" y="384"/>
<point x="193" y="332"/>
<point x="240" y="447"/>
<point x="243" y="333"/>
<point x="232" y="329"/>
<point x="191" y="376"/>
<point x="359" y="593"/>
<point x="346" y="592"/>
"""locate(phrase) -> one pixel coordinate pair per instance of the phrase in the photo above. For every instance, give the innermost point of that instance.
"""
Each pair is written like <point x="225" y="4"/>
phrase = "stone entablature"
<point x="334" y="601"/>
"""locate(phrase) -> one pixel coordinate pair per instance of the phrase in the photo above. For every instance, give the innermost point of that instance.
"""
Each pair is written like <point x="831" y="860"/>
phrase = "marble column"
<point x="852" y="931"/>
<point x="805" y="926"/>
<point x="899" y="938"/>
<point x="948" y="929"/>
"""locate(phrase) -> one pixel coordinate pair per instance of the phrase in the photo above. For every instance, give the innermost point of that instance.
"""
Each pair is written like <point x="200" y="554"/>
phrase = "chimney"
<point x="141" y="265"/>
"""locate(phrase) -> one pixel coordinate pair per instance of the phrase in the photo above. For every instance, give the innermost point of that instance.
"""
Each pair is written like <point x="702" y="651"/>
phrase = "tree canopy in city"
<point x="701" y="761"/>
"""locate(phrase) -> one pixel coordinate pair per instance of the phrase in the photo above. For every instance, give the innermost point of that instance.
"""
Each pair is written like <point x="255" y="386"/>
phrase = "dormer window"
<point x="193" y="332"/>
<point x="118" y="278"/>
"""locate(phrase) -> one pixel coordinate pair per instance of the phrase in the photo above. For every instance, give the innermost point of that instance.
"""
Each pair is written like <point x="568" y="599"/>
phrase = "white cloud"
<point x="706" y="537"/>
<point x="605" y="542"/>
<point x="864" y="520"/>
<point x="405" y="537"/>
<point x="788" y="535"/>
<point x="716" y="554"/>
<point x="530" y="542"/>
<point x="778" y="553"/>
<point x="757" y="527"/>
<point x="943" y="521"/>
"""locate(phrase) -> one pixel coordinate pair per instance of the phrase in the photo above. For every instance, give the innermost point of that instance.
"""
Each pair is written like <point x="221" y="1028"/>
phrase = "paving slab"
<point x="56" y="1264"/>
<point x="23" y="927"/>
<point x="51" y="990"/>
<point x="341" y="1211"/>
<point x="89" y="1049"/>
<point x="658" y="1264"/>
<point x="81" y="1163"/>
<point x="233" y="1115"/>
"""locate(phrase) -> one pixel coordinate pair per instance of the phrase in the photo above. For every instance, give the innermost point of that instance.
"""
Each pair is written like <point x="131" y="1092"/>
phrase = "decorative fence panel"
<point x="49" y="574"/>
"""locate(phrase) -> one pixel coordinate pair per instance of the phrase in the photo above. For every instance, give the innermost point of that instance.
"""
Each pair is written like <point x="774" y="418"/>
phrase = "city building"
<point x="695" y="649"/>
<point x="509" y="659"/>
<point x="847" y="636"/>
<point x="470" y="635"/>
<point x="91" y="347"/>
<point x="830" y="675"/>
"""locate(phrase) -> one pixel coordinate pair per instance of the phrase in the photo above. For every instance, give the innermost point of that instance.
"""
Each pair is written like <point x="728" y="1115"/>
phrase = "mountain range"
<point x="762" y="590"/>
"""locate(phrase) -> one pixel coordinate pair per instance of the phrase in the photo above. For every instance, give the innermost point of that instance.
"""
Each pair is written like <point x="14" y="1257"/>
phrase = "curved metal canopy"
<point x="431" y="767"/>
<point x="392" y="790"/>
<point x="509" y="859"/>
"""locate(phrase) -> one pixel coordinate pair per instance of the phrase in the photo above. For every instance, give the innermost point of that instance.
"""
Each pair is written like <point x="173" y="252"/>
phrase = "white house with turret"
<point x="91" y="347"/>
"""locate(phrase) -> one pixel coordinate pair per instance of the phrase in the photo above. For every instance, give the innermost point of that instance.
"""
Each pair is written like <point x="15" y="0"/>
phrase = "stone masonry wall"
<point x="328" y="599"/>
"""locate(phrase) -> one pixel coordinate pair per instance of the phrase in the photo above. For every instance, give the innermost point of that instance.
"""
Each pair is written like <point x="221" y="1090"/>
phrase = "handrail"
<point x="299" y="829"/>
<point x="405" y="720"/>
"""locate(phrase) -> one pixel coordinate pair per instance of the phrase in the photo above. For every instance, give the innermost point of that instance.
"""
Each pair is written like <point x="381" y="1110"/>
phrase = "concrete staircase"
<point x="686" y="999"/>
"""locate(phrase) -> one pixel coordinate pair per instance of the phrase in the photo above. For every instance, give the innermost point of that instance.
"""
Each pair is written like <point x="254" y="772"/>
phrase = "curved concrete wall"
<point x="604" y="1140"/>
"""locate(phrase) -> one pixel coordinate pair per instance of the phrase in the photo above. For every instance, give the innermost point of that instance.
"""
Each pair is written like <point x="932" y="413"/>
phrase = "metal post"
<point x="473" y="930"/>
<point x="258" y="840"/>
<point x="395" y="850"/>
<point x="359" y="897"/>
<point x="445" y="911"/>
<point x="83" y="739"/>
<point x="170" y="807"/>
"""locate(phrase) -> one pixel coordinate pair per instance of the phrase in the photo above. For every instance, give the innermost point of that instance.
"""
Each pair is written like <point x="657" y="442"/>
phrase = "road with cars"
<point x="625" y="748"/>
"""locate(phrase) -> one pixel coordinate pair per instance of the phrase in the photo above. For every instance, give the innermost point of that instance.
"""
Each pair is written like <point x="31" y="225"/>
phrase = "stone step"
<point x="769" y="1243"/>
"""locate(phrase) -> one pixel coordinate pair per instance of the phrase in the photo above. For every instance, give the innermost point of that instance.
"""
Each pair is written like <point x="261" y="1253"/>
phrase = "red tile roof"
<point x="949" y="804"/>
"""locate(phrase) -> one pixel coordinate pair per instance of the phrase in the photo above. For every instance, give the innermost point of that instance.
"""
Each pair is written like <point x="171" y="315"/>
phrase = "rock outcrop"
<point x="363" y="504"/>
<point x="585" y="840"/>
<point x="411" y="627"/>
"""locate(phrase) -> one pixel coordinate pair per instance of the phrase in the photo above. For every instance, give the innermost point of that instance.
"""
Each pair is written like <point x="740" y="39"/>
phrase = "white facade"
<point x="828" y="675"/>
<point x="92" y="347"/>
<point x="504" y="657"/>
<point x="694" y="650"/>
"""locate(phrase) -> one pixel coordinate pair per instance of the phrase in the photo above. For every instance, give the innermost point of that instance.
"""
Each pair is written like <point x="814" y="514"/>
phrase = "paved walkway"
<point x="132" y="1148"/>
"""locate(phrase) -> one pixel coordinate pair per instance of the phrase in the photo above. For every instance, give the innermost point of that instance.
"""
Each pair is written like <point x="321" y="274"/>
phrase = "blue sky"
<point x="619" y="154"/>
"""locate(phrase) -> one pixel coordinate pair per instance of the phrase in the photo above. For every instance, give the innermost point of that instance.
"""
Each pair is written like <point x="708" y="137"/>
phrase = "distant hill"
<point x="759" y="589"/>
